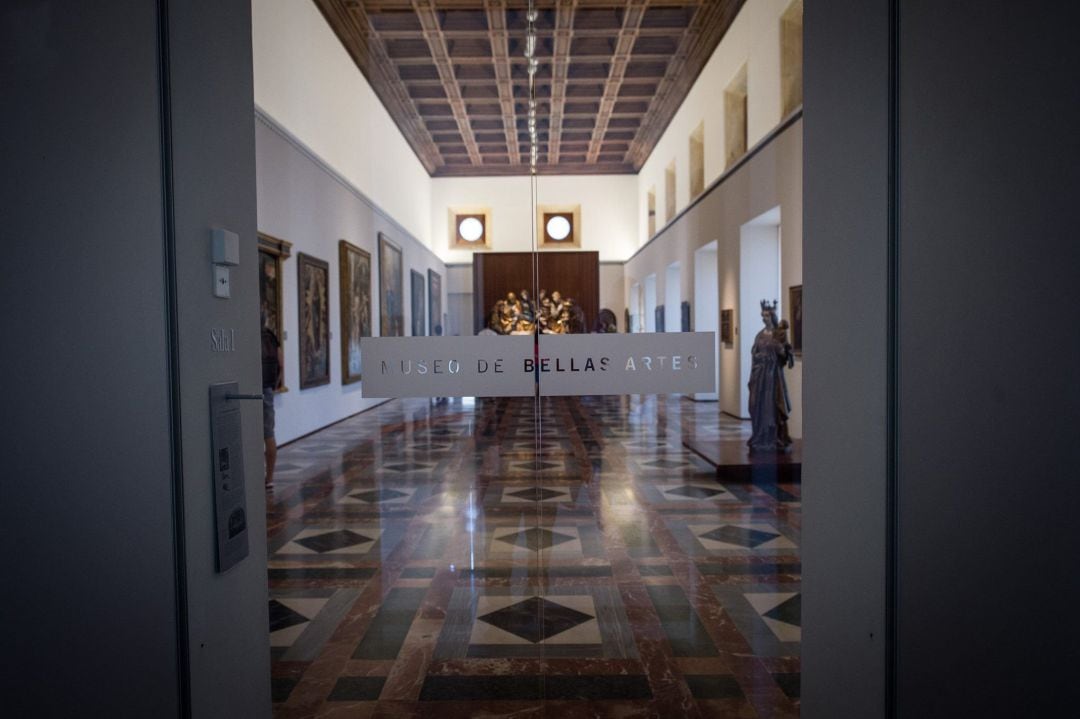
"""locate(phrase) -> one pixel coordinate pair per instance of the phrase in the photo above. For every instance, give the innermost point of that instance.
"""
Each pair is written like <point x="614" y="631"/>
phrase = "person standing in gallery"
<point x="273" y="366"/>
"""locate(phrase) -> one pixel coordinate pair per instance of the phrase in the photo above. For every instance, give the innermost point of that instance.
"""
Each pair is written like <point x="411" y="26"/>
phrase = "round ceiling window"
<point x="471" y="229"/>
<point x="558" y="227"/>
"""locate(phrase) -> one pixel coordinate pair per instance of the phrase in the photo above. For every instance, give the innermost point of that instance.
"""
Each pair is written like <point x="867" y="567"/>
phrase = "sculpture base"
<point x="735" y="463"/>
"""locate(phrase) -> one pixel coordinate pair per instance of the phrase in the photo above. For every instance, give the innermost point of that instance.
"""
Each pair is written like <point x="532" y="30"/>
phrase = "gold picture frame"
<point x="354" y="283"/>
<point x="273" y="252"/>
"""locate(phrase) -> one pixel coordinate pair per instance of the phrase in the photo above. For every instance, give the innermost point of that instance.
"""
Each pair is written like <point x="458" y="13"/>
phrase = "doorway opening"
<point x="706" y="306"/>
<point x="759" y="279"/>
<point x="673" y="298"/>
<point x="650" y="303"/>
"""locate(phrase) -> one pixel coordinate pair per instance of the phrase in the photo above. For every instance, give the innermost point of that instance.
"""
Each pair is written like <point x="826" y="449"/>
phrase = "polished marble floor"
<point x="570" y="558"/>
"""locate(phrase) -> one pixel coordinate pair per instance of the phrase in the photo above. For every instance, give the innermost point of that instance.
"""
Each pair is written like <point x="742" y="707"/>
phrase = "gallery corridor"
<point x="485" y="558"/>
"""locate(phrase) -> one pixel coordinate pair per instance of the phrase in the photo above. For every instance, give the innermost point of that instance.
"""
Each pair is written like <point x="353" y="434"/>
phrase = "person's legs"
<point x="271" y="458"/>
<point x="269" y="443"/>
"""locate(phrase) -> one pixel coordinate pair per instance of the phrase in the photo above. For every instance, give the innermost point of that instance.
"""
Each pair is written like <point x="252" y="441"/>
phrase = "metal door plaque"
<point x="227" y="455"/>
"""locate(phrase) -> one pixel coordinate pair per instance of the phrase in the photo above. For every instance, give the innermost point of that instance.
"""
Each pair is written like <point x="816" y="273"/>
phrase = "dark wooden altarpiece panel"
<point x="573" y="274"/>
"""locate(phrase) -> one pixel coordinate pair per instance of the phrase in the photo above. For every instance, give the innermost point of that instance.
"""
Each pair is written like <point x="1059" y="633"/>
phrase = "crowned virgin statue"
<point x="769" y="402"/>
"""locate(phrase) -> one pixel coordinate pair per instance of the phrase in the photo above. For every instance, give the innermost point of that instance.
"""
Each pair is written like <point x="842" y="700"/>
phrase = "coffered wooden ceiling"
<point x="453" y="75"/>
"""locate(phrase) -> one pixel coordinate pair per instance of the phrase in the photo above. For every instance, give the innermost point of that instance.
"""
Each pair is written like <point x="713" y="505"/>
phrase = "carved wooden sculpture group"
<point x="550" y="314"/>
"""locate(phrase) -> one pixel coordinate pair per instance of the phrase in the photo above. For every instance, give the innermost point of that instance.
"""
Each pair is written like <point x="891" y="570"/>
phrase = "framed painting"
<point x="419" y="312"/>
<point x="727" y="325"/>
<point x="434" y="300"/>
<point x="313" y="290"/>
<point x="795" y="309"/>
<point x="272" y="254"/>
<point x="391" y="290"/>
<point x="354" y="275"/>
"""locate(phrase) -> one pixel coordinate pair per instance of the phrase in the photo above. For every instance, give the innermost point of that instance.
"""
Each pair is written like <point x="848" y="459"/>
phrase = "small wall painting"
<point x="419" y="318"/>
<point x="354" y="274"/>
<point x="313" y="282"/>
<point x="391" y="290"/>
<point x="434" y="286"/>
<point x="795" y="308"/>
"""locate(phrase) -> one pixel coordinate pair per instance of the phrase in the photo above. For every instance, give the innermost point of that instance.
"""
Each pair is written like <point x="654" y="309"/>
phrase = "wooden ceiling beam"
<point x="514" y="61"/>
<point x="436" y="41"/>
<point x="560" y="70"/>
<point x="375" y="6"/>
<point x="478" y="34"/>
<point x="624" y="47"/>
<point x="570" y="82"/>
<point x="504" y="170"/>
<point x="500" y="57"/>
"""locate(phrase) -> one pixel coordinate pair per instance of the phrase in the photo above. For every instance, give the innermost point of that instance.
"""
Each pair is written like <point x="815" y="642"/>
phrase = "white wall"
<point x="608" y="211"/>
<point x="650" y="303"/>
<point x="705" y="312"/>
<point x="303" y="202"/>
<point x="753" y="39"/>
<point x="613" y="291"/>
<point x="307" y="82"/>
<point x="459" y="290"/>
<point x="673" y="298"/>
<point x="773" y="177"/>
<point x="759" y="279"/>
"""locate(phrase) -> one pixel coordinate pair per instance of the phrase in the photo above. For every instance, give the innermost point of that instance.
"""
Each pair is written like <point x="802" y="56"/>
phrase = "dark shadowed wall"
<point x="132" y="138"/>
<point x="964" y="462"/>
<point x="86" y="495"/>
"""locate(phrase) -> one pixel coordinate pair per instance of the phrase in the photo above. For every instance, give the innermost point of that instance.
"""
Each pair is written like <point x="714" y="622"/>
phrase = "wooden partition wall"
<point x="573" y="274"/>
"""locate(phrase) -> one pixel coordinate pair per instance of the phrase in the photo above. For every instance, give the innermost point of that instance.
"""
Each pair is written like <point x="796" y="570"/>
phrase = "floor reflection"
<point x="501" y="558"/>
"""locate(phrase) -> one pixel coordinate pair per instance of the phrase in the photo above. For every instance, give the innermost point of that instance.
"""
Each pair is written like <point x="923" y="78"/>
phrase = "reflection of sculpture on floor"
<point x="769" y="402"/>
<point x="554" y="314"/>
